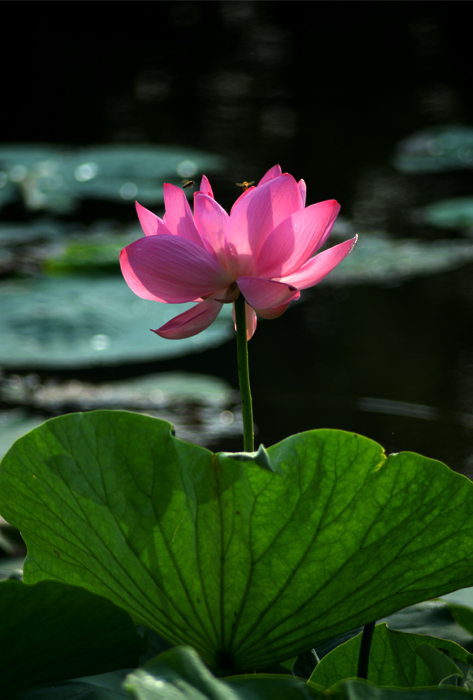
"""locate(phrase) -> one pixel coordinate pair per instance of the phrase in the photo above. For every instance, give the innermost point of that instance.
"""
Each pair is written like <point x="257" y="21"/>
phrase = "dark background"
<point x="326" y="89"/>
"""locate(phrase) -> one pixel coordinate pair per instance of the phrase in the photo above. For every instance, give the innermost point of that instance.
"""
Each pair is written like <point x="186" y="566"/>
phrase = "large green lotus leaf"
<point x="437" y="149"/>
<point x="81" y="321"/>
<point x="179" y="674"/>
<point x="55" y="179"/>
<point x="51" y="631"/>
<point x="393" y="661"/>
<point x="250" y="561"/>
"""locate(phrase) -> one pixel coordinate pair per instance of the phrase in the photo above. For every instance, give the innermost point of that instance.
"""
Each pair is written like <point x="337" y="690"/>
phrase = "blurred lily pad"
<point x="435" y="150"/>
<point x="83" y="321"/>
<point x="450" y="213"/>
<point x="378" y="258"/>
<point x="16" y="234"/>
<point x="91" y="254"/>
<point x="27" y="248"/>
<point x="15" y="424"/>
<point x="142" y="393"/>
<point x="200" y="407"/>
<point x="55" y="178"/>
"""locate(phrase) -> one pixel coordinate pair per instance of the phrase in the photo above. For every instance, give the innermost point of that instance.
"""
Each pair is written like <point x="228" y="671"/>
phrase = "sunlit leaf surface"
<point x="247" y="566"/>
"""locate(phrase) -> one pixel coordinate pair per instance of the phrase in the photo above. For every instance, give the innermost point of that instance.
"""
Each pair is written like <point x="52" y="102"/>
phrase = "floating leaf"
<point x="437" y="149"/>
<point x="450" y="213"/>
<point x="199" y="406"/>
<point x="105" y="686"/>
<point x="55" y="178"/>
<point x="432" y="618"/>
<point x="14" y="424"/>
<point x="379" y="258"/>
<point x="179" y="674"/>
<point x="360" y="690"/>
<point x="248" y="566"/>
<point x="80" y="321"/>
<point x="393" y="661"/>
<point x="90" y="255"/>
<point x="52" y="631"/>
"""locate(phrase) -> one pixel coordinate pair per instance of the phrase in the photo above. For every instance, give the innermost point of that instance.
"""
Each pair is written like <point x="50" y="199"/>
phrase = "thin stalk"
<point x="244" y="375"/>
<point x="365" y="646"/>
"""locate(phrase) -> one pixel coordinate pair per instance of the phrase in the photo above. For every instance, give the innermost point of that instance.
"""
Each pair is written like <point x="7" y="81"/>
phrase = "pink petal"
<point x="296" y="239"/>
<point x="149" y="221"/>
<point x="303" y="190"/>
<point x="178" y="217"/>
<point x="171" y="269"/>
<point x="275" y="171"/>
<point x="191" y="322"/>
<point x="319" y="267"/>
<point x="273" y="313"/>
<point x="205" y="187"/>
<point x="251" y="321"/>
<point x="254" y="217"/>
<point x="228" y="295"/>
<point x="211" y="221"/>
<point x="242" y="196"/>
<point x="266" y="294"/>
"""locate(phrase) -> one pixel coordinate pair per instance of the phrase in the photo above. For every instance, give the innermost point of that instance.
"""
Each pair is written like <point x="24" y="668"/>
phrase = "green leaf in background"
<point x="463" y="615"/>
<point x="247" y="566"/>
<point x="393" y="661"/>
<point x="83" y="321"/>
<point x="440" y="666"/>
<point x="52" y="631"/>
<point x="382" y="260"/>
<point x="179" y="674"/>
<point x="106" y="686"/>
<point x="432" y="618"/>
<point x="450" y="213"/>
<point x="14" y="424"/>
<point x="437" y="149"/>
<point x="360" y="690"/>
<point x="55" y="178"/>
<point x="200" y="407"/>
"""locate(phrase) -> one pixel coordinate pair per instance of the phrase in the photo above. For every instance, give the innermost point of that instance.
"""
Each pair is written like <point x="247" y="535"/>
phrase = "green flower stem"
<point x="244" y="375"/>
<point x="363" y="659"/>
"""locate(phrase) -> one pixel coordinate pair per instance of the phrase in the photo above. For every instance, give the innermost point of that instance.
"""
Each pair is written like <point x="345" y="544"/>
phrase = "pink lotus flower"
<point x="263" y="250"/>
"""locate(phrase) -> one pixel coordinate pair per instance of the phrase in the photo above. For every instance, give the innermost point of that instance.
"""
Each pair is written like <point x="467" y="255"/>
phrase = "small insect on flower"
<point x="264" y="249"/>
<point x="187" y="183"/>
<point x="245" y="184"/>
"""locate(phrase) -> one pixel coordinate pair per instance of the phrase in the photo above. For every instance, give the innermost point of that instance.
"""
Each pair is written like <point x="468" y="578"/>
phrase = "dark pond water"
<point x="371" y="104"/>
